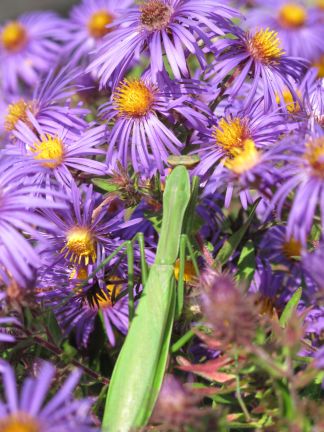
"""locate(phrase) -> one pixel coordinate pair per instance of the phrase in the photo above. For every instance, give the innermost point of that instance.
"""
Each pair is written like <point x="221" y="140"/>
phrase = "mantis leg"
<point x="130" y="263"/>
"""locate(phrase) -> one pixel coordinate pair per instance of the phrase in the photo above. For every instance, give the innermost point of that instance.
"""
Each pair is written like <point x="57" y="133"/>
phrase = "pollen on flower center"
<point x="243" y="159"/>
<point x="264" y="46"/>
<point x="17" y="111"/>
<point x="97" y="24"/>
<point x="155" y="15"/>
<point x="19" y="423"/>
<point x="231" y="134"/>
<point x="292" y="15"/>
<point x="100" y="298"/>
<point x="14" y="36"/>
<point x="50" y="149"/>
<point x="292" y="105"/>
<point x="80" y="245"/>
<point x="133" y="98"/>
<point x="291" y="248"/>
<point x="314" y="154"/>
<point x="189" y="271"/>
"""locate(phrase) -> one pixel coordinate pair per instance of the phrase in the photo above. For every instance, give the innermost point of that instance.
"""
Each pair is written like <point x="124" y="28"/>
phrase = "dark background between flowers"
<point x="11" y="8"/>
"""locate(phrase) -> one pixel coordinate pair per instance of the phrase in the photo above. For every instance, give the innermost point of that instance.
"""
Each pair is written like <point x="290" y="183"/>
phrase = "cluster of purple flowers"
<point x="124" y="86"/>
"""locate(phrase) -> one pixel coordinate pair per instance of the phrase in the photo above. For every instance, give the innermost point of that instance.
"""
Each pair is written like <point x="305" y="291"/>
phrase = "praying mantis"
<point x="140" y="367"/>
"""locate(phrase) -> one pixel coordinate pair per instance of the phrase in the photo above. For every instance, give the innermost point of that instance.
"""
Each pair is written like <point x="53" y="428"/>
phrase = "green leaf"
<point x="104" y="184"/>
<point x="246" y="263"/>
<point x="290" y="307"/>
<point x="231" y="244"/>
<point x="54" y="328"/>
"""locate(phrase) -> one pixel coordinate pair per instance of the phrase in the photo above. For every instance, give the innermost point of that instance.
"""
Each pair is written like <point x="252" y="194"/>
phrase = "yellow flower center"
<point x="133" y="98"/>
<point x="189" y="271"/>
<point x="14" y="36"/>
<point x="243" y="159"/>
<point x="19" y="423"/>
<point x="291" y="248"/>
<point x="320" y="4"/>
<point x="98" y="22"/>
<point x="292" y="15"/>
<point x="319" y="65"/>
<point x="266" y="306"/>
<point x="79" y="273"/>
<point x="231" y="134"/>
<point x="17" y="111"/>
<point x="314" y="154"/>
<point x="155" y="15"/>
<point x="105" y="299"/>
<point x="50" y="149"/>
<point x="264" y="46"/>
<point x="80" y="245"/>
<point x="292" y="106"/>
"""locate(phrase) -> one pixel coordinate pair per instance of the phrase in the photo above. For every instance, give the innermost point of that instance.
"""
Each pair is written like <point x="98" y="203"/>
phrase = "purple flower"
<point x="138" y="134"/>
<point x="77" y="306"/>
<point x="50" y="104"/>
<point x="299" y="30"/>
<point x="28" y="411"/>
<point x="88" y="25"/>
<point x="87" y="230"/>
<point x="57" y="156"/>
<point x="171" y="27"/>
<point x="29" y="47"/>
<point x="281" y="249"/>
<point x="302" y="173"/>
<point x="313" y="265"/>
<point x="231" y="132"/>
<point x="258" y="54"/>
<point x="18" y="220"/>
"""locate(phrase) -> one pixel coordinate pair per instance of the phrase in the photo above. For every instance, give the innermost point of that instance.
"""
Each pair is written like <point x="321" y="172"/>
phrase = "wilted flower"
<point x="177" y="406"/>
<point x="229" y="313"/>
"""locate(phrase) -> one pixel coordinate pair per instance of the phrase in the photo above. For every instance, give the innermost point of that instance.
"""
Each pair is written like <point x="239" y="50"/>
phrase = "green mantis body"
<point x="140" y="367"/>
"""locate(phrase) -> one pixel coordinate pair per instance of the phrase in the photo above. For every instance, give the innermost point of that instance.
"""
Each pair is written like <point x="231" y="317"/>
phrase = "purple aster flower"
<point x="280" y="249"/>
<point x="18" y="220"/>
<point x="29" y="47"/>
<point x="258" y="54"/>
<point x="299" y="30"/>
<point x="28" y="411"/>
<point x="88" y="25"/>
<point x="57" y="156"/>
<point x="313" y="265"/>
<point x="171" y="27"/>
<point x="77" y="306"/>
<point x="138" y="134"/>
<point x="248" y="173"/>
<point x="231" y="132"/>
<point x="87" y="230"/>
<point x="265" y="287"/>
<point x="302" y="173"/>
<point x="50" y="104"/>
